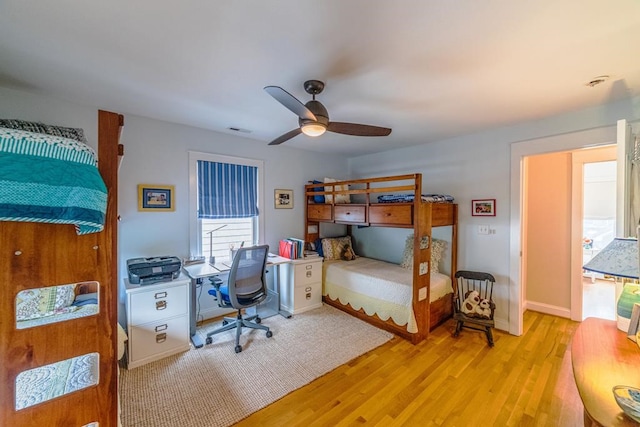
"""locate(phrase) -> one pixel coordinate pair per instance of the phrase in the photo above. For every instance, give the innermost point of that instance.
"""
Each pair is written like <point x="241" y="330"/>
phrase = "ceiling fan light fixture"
<point x="313" y="118"/>
<point x="313" y="129"/>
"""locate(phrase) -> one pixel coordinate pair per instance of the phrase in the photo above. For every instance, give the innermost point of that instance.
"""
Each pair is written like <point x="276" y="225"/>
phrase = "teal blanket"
<point x="51" y="179"/>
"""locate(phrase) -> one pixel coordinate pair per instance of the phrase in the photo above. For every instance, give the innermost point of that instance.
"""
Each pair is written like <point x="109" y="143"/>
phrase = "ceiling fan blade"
<point x="291" y="102"/>
<point x="287" y="136"/>
<point x="357" y="129"/>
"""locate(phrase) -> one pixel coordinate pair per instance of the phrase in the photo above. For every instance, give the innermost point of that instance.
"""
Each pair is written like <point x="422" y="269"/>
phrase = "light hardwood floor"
<point x="445" y="381"/>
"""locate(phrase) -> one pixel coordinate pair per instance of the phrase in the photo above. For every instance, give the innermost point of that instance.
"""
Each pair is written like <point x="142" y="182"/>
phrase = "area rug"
<point x="214" y="387"/>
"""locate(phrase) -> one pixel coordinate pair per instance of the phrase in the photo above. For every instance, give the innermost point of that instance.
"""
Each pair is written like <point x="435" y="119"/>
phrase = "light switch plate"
<point x="483" y="229"/>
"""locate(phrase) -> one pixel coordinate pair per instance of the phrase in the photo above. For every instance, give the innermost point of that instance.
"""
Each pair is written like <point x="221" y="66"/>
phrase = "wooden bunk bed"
<point x="362" y="210"/>
<point x="41" y="255"/>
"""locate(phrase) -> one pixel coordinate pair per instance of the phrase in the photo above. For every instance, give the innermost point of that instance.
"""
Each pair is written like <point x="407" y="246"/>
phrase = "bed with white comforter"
<point x="379" y="288"/>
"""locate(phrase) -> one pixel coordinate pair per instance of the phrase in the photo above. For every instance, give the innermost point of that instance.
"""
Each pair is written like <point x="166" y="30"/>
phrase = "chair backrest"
<point x="247" y="281"/>
<point x="467" y="281"/>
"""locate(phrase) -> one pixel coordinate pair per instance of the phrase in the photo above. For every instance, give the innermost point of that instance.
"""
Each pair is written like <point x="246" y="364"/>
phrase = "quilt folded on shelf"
<point x="53" y="179"/>
<point x="398" y="198"/>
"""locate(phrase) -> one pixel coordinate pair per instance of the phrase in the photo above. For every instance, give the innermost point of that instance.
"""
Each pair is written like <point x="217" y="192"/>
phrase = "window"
<point x="220" y="218"/>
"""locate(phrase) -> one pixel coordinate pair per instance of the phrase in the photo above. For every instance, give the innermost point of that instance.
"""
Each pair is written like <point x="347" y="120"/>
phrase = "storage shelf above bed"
<point x="364" y="208"/>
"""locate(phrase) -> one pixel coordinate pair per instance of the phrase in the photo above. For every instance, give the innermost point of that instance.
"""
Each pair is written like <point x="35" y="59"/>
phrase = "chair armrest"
<point x="217" y="283"/>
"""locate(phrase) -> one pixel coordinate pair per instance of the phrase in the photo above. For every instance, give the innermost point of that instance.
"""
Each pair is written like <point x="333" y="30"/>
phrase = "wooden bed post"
<point x="454" y="246"/>
<point x="35" y="255"/>
<point x="110" y="152"/>
<point x="421" y="285"/>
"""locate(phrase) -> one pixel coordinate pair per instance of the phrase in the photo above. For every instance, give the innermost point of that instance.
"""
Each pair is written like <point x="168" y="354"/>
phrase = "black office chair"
<point x="245" y="287"/>
<point x="474" y="311"/>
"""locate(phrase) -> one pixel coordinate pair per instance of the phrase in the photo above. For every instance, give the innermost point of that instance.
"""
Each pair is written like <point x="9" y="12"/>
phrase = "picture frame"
<point x="483" y="207"/>
<point x="283" y="199"/>
<point x="156" y="198"/>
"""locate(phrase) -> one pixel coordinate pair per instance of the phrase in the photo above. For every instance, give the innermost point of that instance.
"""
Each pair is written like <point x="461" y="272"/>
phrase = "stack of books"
<point x="291" y="248"/>
<point x="311" y="254"/>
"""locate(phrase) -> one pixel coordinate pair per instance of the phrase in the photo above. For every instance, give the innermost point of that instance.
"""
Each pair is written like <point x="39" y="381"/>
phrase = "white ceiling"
<point x="427" y="69"/>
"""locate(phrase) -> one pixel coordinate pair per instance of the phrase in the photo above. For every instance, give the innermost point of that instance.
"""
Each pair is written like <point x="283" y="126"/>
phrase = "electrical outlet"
<point x="483" y="229"/>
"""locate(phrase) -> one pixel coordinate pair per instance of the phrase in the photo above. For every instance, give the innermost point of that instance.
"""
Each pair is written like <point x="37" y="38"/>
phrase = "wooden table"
<point x="602" y="357"/>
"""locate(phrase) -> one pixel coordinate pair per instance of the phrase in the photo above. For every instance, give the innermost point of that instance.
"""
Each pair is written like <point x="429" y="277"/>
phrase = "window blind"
<point x="227" y="190"/>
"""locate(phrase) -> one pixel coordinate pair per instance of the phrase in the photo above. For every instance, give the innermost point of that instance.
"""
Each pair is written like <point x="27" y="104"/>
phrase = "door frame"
<point x="578" y="159"/>
<point x="565" y="142"/>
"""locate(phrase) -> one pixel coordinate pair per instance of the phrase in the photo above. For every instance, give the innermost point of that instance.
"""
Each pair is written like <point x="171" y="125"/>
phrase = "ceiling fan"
<point x="313" y="118"/>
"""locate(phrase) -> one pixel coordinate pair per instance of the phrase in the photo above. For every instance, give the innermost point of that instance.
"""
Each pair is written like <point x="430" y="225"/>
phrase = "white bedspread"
<point x="378" y="287"/>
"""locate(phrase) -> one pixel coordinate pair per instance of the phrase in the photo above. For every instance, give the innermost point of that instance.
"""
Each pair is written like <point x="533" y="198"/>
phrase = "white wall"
<point x="27" y="106"/>
<point x="600" y="190"/>
<point x="478" y="166"/>
<point x="547" y="232"/>
<point x="156" y="152"/>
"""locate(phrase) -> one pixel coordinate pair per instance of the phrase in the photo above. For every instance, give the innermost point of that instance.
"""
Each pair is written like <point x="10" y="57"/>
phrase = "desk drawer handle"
<point x="160" y="338"/>
<point x="160" y="328"/>
<point x="159" y="295"/>
<point x="309" y="295"/>
<point x="309" y="273"/>
<point x="161" y="305"/>
<point x="308" y="267"/>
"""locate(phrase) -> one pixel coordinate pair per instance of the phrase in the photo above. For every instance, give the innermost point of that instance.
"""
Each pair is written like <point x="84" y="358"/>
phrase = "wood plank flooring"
<point x="445" y="381"/>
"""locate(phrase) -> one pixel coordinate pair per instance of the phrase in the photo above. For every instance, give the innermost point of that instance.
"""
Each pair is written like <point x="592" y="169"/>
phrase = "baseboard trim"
<point x="502" y="325"/>
<point x="548" y="309"/>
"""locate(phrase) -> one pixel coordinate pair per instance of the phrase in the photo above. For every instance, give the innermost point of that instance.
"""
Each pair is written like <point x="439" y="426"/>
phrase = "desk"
<point x="602" y="357"/>
<point x="198" y="272"/>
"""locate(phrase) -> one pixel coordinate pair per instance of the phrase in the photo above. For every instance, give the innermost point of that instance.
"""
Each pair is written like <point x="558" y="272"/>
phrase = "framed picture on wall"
<point x="283" y="199"/>
<point x="156" y="198"/>
<point x="483" y="207"/>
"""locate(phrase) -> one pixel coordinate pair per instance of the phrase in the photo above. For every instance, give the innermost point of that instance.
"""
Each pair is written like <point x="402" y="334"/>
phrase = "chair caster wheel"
<point x="209" y="340"/>
<point x="258" y="320"/>
<point x="225" y="323"/>
<point x="269" y="334"/>
<point x="238" y="348"/>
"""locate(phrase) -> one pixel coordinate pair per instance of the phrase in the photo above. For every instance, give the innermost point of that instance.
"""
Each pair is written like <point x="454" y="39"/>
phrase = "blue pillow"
<point x="318" y="243"/>
<point x="320" y="198"/>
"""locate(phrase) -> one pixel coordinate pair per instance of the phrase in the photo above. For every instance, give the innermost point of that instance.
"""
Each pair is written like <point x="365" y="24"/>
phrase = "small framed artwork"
<point x="158" y="198"/>
<point x="284" y="199"/>
<point x="483" y="207"/>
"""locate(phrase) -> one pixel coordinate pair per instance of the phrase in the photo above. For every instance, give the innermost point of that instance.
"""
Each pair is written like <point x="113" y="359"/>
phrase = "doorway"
<point x="623" y="137"/>
<point x="569" y="215"/>
<point x="599" y="228"/>
<point x="519" y="151"/>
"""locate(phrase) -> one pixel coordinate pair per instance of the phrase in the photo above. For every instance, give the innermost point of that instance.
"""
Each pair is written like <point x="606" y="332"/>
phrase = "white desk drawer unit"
<point x="306" y="273"/>
<point x="158" y="338"/>
<point x="304" y="287"/>
<point x="157" y="320"/>
<point x="158" y="303"/>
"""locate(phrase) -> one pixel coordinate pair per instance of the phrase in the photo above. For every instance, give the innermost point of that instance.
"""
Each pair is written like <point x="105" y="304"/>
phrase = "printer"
<point x="144" y="271"/>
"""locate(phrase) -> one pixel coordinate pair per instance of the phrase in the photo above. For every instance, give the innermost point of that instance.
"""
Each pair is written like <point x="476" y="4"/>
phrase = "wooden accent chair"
<point x="473" y="303"/>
